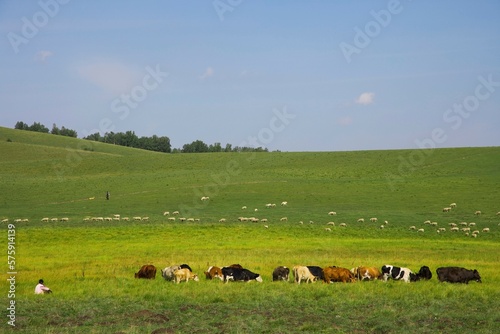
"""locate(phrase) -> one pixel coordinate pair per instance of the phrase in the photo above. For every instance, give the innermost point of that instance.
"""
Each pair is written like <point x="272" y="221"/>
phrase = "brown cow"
<point x="147" y="271"/>
<point x="337" y="274"/>
<point x="368" y="273"/>
<point x="214" y="272"/>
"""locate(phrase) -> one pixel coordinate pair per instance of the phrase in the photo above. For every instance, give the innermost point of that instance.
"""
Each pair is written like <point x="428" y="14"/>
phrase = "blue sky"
<point x="287" y="75"/>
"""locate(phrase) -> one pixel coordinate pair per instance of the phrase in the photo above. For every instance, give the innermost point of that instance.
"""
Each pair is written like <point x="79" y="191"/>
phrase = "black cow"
<point x="398" y="273"/>
<point x="281" y="273"/>
<point x="317" y="272"/>
<point x="186" y="267"/>
<point x="237" y="274"/>
<point x="424" y="273"/>
<point x="457" y="275"/>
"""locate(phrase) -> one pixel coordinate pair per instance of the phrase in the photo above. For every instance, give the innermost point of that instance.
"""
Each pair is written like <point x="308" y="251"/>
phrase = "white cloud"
<point x="41" y="56"/>
<point x="110" y="76"/>
<point x="208" y="73"/>
<point x="365" y="98"/>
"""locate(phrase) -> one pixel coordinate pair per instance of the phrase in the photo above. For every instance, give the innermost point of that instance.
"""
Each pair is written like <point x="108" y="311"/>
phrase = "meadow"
<point x="90" y="265"/>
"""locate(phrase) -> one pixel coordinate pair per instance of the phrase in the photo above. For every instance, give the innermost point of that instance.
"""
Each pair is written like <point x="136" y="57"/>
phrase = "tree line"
<point x="130" y="139"/>
<point x="39" y="127"/>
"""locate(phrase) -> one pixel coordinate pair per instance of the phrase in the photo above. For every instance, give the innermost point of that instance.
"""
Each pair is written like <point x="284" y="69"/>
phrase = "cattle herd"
<point x="235" y="272"/>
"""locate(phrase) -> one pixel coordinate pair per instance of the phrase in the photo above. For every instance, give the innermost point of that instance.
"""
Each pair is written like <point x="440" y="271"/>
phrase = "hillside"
<point x="90" y="265"/>
<point x="44" y="175"/>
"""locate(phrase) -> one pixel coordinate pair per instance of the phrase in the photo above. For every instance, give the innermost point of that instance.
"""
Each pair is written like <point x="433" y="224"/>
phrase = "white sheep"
<point x="45" y="220"/>
<point x="343" y="225"/>
<point x="166" y="213"/>
<point x="175" y="212"/>
<point x="373" y="220"/>
<point x="182" y="219"/>
<point x="65" y="219"/>
<point x="420" y="230"/>
<point x="453" y="205"/>
<point x="472" y="224"/>
<point x="244" y="207"/>
<point x="172" y="219"/>
<point x="284" y="219"/>
<point x="205" y="198"/>
<point x="454" y="229"/>
<point x="6" y="220"/>
<point x="137" y="218"/>
<point x="285" y="203"/>
<point x="486" y="229"/>
<point x="477" y="213"/>
<point x="331" y="223"/>
<point x="412" y="228"/>
<point x="328" y="229"/>
<point x="332" y="213"/>
<point x="222" y="220"/>
<point x="361" y="220"/>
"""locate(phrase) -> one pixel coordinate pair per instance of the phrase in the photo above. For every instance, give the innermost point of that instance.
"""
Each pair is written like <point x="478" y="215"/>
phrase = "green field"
<point x="90" y="264"/>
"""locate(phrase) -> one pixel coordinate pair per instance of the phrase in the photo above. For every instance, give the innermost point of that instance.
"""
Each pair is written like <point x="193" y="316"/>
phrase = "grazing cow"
<point x="457" y="275"/>
<point x="398" y="273"/>
<point x="281" y="273"/>
<point x="238" y="274"/>
<point x="168" y="272"/>
<point x="184" y="274"/>
<point x="336" y="274"/>
<point x="214" y="272"/>
<point x="368" y="273"/>
<point x="147" y="271"/>
<point x="316" y="271"/>
<point x="424" y="273"/>
<point x="302" y="272"/>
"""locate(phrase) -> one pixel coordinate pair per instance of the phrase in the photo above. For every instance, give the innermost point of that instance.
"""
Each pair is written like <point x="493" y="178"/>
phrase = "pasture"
<point x="90" y="265"/>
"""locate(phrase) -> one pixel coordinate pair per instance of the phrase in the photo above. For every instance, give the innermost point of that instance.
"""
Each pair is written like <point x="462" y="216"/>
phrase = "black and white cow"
<point x="281" y="273"/>
<point x="237" y="274"/>
<point x="424" y="273"/>
<point x="457" y="275"/>
<point x="398" y="273"/>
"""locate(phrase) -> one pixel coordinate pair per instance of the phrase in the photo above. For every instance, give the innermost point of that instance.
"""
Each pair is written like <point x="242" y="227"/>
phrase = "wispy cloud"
<point x="42" y="55"/>
<point x="111" y="76"/>
<point x="208" y="73"/>
<point x="366" y="98"/>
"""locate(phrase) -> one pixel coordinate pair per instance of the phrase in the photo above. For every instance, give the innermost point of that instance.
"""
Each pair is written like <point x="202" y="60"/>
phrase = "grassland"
<point x="90" y="265"/>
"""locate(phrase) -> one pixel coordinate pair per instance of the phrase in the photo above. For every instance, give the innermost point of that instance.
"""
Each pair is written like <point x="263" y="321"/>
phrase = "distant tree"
<point x="38" y="127"/>
<point x="228" y="148"/>
<point x="21" y="126"/>
<point x="68" y="132"/>
<point x="215" y="147"/>
<point x="95" y="137"/>
<point x="55" y="130"/>
<point x="195" y="147"/>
